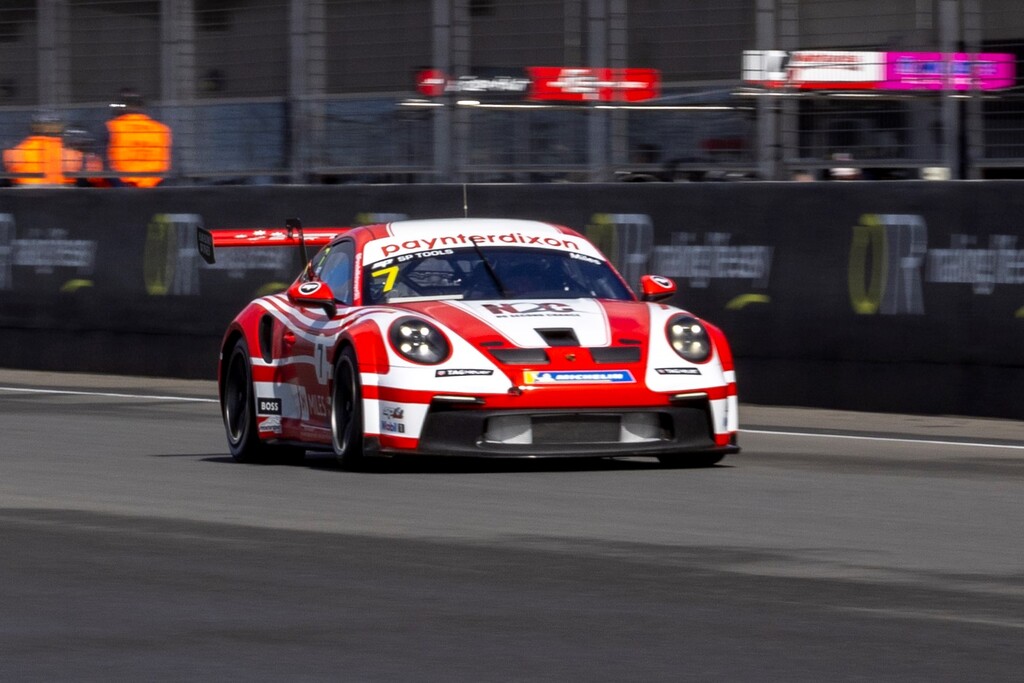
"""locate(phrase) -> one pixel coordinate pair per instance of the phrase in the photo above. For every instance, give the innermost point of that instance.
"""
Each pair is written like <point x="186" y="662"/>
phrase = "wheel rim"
<point x="236" y="398"/>
<point x="343" y="404"/>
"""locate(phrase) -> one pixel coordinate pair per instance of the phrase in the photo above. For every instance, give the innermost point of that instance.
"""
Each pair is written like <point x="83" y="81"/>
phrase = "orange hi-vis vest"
<point x="44" y="154"/>
<point x="138" y="144"/>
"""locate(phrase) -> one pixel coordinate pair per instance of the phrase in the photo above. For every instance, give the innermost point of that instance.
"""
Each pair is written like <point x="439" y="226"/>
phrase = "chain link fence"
<point x="335" y="91"/>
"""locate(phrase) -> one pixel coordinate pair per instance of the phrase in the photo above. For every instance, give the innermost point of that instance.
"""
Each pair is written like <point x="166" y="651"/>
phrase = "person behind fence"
<point x="88" y="166"/>
<point x="42" y="158"/>
<point x="137" y="143"/>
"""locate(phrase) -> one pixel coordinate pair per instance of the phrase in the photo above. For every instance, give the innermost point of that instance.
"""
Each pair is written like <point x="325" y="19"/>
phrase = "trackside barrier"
<point x="903" y="296"/>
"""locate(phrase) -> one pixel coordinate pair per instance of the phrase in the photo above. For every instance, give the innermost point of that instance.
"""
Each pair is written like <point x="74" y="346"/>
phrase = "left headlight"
<point x="689" y="338"/>
<point x="418" y="341"/>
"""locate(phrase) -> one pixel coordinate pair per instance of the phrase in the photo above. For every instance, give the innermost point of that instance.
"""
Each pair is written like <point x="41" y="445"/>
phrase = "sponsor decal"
<point x="271" y="424"/>
<point x="562" y="377"/>
<point x="463" y="372"/>
<point x="391" y="419"/>
<point x="525" y="308"/>
<point x="309" y="288"/>
<point x="662" y="281"/>
<point x="586" y="259"/>
<point x="268" y="406"/>
<point x="392" y="427"/>
<point x="677" y="371"/>
<point x="312" y="404"/>
<point x="464" y="240"/>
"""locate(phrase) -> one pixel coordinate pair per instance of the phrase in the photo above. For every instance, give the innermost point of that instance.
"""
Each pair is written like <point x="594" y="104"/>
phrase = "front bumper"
<point x="566" y="433"/>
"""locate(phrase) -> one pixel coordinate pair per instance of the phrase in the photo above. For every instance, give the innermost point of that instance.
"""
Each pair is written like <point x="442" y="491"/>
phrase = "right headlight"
<point x="418" y="341"/>
<point x="689" y="338"/>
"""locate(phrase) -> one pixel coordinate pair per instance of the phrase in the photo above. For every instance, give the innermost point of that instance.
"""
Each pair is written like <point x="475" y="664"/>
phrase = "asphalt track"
<point x="836" y="546"/>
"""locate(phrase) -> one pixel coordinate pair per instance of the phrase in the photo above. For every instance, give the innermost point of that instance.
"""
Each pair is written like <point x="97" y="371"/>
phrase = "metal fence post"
<point x="597" y="119"/>
<point x="974" y="121"/>
<point x="768" y="151"/>
<point x="54" y="50"/>
<point x="177" y="80"/>
<point x="949" y="34"/>
<point x="306" y="84"/>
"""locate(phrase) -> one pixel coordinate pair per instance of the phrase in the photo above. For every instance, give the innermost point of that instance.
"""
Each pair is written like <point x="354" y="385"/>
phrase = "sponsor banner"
<point x="814" y="69"/>
<point x="486" y="83"/>
<point x="938" y="71"/>
<point x="854" y="70"/>
<point x="571" y="84"/>
<point x="855" y="295"/>
<point x="545" y="84"/>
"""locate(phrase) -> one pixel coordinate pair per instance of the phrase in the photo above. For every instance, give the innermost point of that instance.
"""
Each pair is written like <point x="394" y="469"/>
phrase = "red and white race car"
<point x="469" y="337"/>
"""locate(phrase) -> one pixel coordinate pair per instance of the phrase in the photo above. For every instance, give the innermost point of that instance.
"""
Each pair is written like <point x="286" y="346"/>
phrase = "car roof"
<point x="455" y="226"/>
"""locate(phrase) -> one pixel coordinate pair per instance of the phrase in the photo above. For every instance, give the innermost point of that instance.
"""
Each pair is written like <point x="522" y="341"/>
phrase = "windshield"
<point x="508" y="273"/>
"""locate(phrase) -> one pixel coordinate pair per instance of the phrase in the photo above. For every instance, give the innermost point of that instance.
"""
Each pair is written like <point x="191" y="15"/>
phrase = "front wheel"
<point x="347" y="412"/>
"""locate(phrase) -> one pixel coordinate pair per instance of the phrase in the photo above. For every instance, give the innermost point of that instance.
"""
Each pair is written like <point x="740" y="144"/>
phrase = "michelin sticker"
<point x="603" y="377"/>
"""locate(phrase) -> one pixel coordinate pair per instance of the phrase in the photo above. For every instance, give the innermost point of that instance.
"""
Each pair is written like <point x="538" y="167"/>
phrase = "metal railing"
<point x="288" y="91"/>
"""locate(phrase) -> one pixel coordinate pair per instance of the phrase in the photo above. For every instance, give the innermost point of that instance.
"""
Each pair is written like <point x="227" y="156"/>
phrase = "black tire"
<point x="238" y="407"/>
<point x="691" y="459"/>
<point x="347" y="412"/>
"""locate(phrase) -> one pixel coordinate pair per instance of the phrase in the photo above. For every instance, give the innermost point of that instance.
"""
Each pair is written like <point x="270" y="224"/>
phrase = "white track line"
<point x="187" y="399"/>
<point x="68" y="392"/>
<point x="929" y="442"/>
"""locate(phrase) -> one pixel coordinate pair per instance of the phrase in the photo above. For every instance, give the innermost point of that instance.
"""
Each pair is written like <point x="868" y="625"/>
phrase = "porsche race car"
<point x="468" y="337"/>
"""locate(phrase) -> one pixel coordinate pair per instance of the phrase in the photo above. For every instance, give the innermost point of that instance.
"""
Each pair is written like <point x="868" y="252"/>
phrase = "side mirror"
<point x="314" y="294"/>
<point x="656" y="288"/>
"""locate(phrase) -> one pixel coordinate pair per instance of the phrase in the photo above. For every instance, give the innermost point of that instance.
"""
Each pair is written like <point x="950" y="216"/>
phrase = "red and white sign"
<point x="814" y="69"/>
<point x="588" y="84"/>
<point x="547" y="84"/>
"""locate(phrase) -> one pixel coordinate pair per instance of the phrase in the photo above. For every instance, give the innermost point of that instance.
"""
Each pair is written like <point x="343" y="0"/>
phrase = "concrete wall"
<point x="878" y="296"/>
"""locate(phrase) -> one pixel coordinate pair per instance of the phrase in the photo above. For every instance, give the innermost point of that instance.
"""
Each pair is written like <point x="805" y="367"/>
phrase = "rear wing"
<point x="292" y="235"/>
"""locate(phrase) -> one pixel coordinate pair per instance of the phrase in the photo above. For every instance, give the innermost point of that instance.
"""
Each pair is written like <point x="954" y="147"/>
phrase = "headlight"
<point x="689" y="338"/>
<point x="419" y="341"/>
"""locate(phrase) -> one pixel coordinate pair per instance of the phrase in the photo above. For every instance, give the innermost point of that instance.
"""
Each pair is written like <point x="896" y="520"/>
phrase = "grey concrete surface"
<point x="836" y="546"/>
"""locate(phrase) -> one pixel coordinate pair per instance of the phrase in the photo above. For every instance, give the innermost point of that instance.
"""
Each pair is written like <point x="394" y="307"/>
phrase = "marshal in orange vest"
<point x="138" y="144"/>
<point x="43" y="159"/>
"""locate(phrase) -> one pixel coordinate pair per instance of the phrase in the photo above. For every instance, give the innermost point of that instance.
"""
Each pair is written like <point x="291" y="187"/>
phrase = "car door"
<point x="307" y="345"/>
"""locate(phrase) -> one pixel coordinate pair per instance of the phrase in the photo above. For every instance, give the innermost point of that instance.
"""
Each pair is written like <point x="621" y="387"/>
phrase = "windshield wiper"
<point x="490" y="271"/>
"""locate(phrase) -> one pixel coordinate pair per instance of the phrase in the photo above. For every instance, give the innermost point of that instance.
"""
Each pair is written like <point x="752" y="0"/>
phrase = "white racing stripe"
<point x="929" y="442"/>
<point x="69" y="392"/>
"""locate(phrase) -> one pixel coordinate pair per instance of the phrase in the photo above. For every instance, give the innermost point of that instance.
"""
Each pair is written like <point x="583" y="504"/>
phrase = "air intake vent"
<point x="615" y="354"/>
<point x="559" y="336"/>
<point x="521" y="356"/>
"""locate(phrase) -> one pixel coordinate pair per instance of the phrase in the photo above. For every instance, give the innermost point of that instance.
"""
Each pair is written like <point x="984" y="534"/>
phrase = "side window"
<point x="335" y="268"/>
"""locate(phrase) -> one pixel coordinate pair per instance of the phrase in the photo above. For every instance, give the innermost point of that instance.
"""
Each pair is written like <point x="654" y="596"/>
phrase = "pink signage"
<point x="948" y="71"/>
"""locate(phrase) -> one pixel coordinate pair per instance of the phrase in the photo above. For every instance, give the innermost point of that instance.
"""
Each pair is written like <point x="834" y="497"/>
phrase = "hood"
<point x="532" y="323"/>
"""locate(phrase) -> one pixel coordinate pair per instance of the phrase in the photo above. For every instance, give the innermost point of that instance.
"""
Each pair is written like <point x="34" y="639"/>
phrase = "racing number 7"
<point x="392" y="274"/>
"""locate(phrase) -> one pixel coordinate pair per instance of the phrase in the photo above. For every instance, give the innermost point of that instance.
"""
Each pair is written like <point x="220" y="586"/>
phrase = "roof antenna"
<point x="465" y="202"/>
